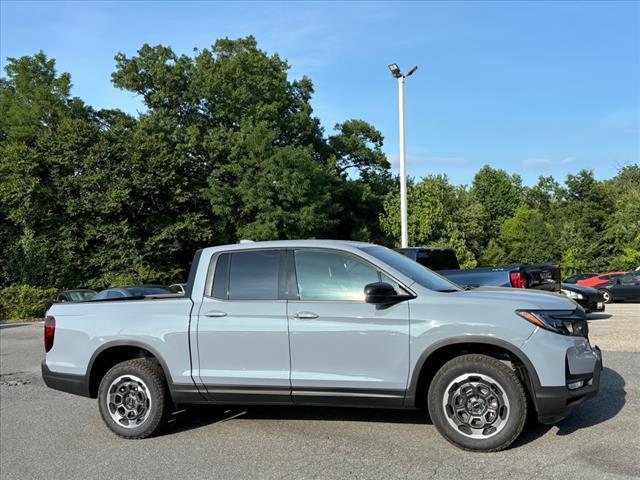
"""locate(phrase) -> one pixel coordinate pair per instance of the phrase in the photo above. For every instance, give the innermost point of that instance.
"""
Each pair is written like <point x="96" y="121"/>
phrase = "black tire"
<point x="491" y="383"/>
<point x="147" y="378"/>
<point x="606" y="296"/>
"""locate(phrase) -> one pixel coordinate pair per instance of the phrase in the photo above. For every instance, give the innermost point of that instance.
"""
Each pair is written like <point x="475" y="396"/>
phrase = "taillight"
<point x="49" y="332"/>
<point x="517" y="279"/>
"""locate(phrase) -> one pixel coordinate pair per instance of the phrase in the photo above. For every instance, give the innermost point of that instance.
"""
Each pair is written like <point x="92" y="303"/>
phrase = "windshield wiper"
<point x="448" y="290"/>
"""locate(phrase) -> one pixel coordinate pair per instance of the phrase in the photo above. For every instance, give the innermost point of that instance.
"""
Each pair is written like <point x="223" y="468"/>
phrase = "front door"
<point x="628" y="288"/>
<point x="242" y="336"/>
<point x="343" y="349"/>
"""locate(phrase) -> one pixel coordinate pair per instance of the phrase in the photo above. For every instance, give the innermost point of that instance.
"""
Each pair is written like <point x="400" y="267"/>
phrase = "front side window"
<point x="332" y="276"/>
<point x="247" y="276"/>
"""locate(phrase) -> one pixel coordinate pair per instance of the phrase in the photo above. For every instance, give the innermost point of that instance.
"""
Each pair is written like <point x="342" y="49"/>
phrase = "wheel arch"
<point x="433" y="358"/>
<point x="112" y="353"/>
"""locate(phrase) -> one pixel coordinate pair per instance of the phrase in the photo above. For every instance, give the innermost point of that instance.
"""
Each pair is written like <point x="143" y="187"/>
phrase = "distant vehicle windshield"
<point x="137" y="291"/>
<point x="82" y="296"/>
<point x="413" y="270"/>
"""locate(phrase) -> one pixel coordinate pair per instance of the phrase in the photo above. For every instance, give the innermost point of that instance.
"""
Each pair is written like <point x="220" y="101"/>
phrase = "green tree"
<point x="528" y="238"/>
<point x="228" y="148"/>
<point x="364" y="181"/>
<point x="623" y="224"/>
<point x="544" y="196"/>
<point x="37" y="113"/>
<point x="580" y="220"/>
<point x="500" y="195"/>
<point x="34" y="98"/>
<point x="439" y="214"/>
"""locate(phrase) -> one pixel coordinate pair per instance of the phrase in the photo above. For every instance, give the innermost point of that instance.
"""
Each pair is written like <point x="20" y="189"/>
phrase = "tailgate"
<point x="544" y="276"/>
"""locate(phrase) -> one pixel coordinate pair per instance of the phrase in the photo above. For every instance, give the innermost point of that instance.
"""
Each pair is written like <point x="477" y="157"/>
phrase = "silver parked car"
<point x="327" y="323"/>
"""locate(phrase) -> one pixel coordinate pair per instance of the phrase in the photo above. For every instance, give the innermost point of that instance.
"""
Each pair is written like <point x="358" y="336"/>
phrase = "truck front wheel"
<point x="477" y="403"/>
<point x="133" y="398"/>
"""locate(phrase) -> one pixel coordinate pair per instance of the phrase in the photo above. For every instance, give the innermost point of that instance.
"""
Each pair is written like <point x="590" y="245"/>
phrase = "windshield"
<point x="82" y="295"/>
<point x="137" y="291"/>
<point x="421" y="275"/>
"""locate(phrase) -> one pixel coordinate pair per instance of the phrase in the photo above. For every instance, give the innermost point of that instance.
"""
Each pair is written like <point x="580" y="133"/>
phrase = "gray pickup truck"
<point x="326" y="323"/>
<point x="538" y="276"/>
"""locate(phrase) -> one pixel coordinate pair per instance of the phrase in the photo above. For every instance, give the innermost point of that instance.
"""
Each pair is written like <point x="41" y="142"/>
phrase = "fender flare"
<point x="129" y="343"/>
<point x="533" y="378"/>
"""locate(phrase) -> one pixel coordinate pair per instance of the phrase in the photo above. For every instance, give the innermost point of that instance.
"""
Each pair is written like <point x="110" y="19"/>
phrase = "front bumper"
<point x="594" y="303"/>
<point x="555" y="403"/>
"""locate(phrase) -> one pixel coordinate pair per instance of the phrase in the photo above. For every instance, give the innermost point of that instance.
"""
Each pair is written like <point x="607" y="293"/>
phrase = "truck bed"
<point x="540" y="276"/>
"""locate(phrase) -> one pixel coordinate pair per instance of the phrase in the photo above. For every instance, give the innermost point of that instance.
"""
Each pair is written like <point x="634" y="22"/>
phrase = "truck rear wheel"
<point x="133" y="398"/>
<point x="477" y="403"/>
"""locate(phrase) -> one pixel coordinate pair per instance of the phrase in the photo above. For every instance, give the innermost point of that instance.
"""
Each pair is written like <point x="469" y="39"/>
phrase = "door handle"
<point x="305" y="315"/>
<point x="215" y="313"/>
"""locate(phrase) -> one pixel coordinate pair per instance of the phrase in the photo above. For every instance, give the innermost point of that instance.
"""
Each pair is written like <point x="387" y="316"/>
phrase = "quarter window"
<point x="221" y="277"/>
<point x="332" y="276"/>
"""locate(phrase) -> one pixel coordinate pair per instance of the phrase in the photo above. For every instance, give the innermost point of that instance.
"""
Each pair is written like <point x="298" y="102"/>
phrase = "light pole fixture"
<point x="395" y="71"/>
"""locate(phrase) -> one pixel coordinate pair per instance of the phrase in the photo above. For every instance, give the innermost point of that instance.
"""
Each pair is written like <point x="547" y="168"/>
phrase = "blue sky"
<point x="534" y="88"/>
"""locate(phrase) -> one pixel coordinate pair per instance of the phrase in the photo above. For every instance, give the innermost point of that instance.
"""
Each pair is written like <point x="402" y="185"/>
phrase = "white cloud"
<point x="567" y="160"/>
<point x="425" y="160"/>
<point x="626" y="120"/>
<point x="537" y="163"/>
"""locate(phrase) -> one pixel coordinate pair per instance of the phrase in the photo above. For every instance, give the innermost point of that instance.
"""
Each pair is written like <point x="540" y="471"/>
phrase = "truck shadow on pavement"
<point x="606" y="405"/>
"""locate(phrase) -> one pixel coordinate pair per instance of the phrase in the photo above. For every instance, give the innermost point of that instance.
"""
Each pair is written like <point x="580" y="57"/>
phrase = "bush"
<point x="24" y="302"/>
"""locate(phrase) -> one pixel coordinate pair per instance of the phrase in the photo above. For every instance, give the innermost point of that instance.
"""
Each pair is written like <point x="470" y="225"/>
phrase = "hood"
<point x="520" y="298"/>
<point x="579" y="288"/>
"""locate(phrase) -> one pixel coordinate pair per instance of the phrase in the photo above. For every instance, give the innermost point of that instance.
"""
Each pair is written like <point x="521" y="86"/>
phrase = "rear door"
<point x="342" y="348"/>
<point x="242" y="333"/>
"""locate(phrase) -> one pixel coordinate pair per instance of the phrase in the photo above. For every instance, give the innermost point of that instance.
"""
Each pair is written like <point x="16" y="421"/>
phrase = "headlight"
<point x="574" y="295"/>
<point x="562" y="322"/>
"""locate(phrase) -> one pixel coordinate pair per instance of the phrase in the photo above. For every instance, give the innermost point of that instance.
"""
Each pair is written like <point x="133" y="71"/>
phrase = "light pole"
<point x="395" y="71"/>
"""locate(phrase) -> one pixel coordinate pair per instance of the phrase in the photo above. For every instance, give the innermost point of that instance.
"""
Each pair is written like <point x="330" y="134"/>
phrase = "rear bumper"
<point x="66" y="382"/>
<point x="555" y="403"/>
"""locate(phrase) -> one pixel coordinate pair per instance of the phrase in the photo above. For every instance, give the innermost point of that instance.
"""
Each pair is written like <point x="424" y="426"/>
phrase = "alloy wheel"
<point x="128" y="401"/>
<point x="476" y="405"/>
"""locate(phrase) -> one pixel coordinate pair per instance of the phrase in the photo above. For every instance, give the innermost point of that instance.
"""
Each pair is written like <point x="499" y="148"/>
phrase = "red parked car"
<point x="600" y="279"/>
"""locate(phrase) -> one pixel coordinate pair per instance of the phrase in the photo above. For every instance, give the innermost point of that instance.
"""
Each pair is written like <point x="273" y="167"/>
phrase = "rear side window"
<point x="438" y="260"/>
<point x="247" y="276"/>
<point x="114" y="294"/>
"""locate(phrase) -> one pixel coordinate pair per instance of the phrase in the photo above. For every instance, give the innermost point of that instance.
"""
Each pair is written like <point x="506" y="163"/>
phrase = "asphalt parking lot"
<point x="50" y="435"/>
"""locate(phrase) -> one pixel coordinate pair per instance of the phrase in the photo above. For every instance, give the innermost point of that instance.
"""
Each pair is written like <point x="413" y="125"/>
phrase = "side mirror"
<point x="382" y="293"/>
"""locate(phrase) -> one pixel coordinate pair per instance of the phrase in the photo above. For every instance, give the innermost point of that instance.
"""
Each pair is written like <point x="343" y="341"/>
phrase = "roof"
<point x="345" y="244"/>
